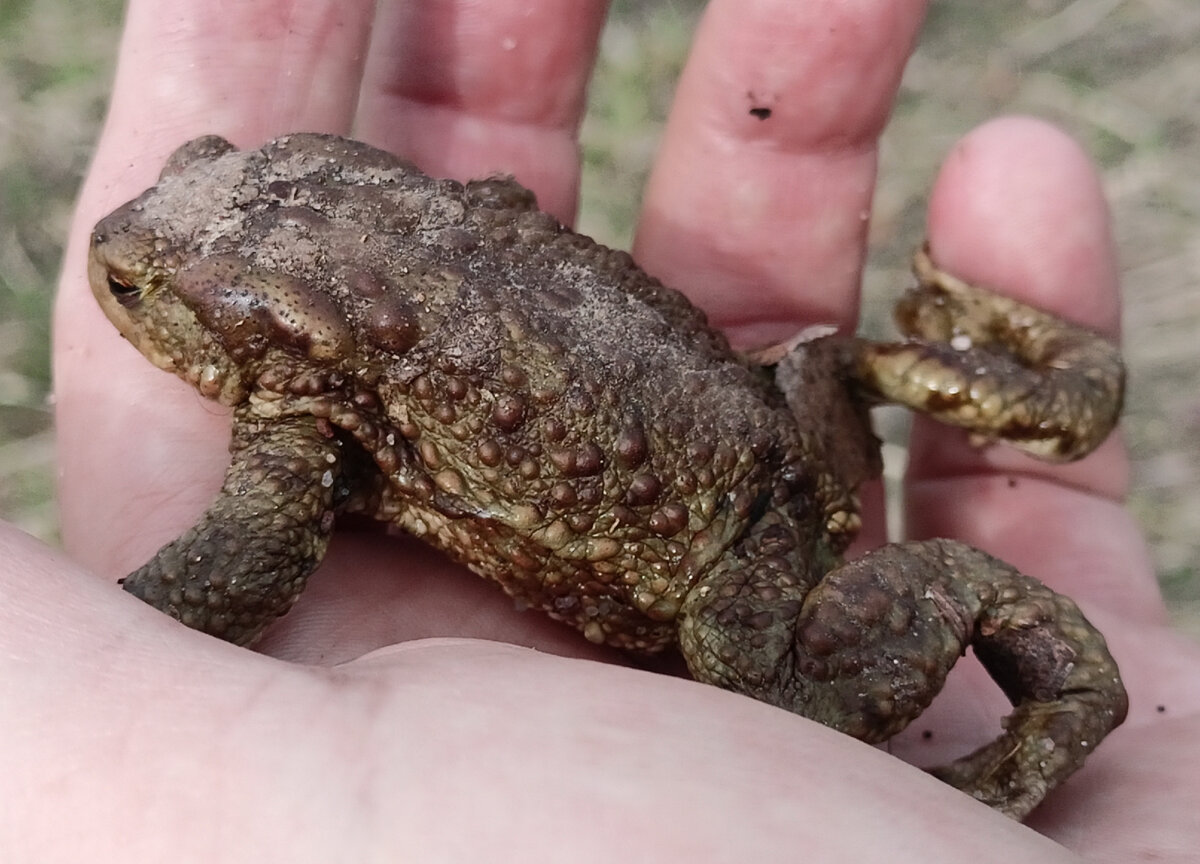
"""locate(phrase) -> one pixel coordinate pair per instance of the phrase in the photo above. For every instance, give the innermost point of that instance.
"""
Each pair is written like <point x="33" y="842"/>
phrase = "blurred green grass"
<point x="55" y="62"/>
<point x="1123" y="76"/>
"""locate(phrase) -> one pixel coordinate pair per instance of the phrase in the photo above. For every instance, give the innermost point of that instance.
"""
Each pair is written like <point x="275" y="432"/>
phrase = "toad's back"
<point x="546" y="412"/>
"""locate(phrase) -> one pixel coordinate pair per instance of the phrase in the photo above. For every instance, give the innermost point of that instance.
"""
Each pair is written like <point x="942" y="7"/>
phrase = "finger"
<point x="139" y="453"/>
<point x="757" y="207"/>
<point x="1018" y="207"/>
<point x="468" y="89"/>
<point x="248" y="71"/>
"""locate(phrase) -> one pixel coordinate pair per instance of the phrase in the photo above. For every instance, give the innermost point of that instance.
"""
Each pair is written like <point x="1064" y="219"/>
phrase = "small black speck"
<point x="1012" y="482"/>
<point x="760" y="113"/>
<point x="927" y="734"/>
<point x="1161" y="709"/>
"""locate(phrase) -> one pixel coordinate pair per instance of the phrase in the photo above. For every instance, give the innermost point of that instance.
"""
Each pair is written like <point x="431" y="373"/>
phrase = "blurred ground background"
<point x="1123" y="76"/>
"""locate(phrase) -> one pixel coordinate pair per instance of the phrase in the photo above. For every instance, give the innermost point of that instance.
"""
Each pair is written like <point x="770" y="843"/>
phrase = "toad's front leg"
<point x="866" y="650"/>
<point x="247" y="558"/>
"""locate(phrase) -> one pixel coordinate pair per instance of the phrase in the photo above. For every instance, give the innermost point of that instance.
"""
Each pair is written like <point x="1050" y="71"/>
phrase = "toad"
<point x="448" y="359"/>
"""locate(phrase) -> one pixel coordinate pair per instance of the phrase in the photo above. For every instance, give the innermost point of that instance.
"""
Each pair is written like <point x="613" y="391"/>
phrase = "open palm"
<point x="351" y="737"/>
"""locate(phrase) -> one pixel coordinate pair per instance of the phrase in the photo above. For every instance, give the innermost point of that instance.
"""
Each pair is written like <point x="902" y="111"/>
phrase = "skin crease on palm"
<point x="130" y="738"/>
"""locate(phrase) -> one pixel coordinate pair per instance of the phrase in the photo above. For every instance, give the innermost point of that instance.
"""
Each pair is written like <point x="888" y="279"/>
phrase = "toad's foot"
<point x="866" y="650"/>
<point x="247" y="558"/>
<point x="1003" y="370"/>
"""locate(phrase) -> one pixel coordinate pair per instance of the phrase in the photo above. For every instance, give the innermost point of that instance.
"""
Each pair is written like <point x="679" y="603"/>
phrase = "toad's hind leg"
<point x="866" y="650"/>
<point x="999" y="368"/>
<point x="248" y="557"/>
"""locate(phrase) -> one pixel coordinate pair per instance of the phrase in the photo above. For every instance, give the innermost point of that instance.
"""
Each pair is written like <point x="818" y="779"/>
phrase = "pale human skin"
<point x="129" y="738"/>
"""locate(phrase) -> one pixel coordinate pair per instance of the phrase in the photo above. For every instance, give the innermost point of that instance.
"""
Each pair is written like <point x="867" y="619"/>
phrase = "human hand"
<point x="452" y="748"/>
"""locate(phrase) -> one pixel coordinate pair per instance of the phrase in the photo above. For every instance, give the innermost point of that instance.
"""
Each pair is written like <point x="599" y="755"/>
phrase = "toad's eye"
<point x="126" y="293"/>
